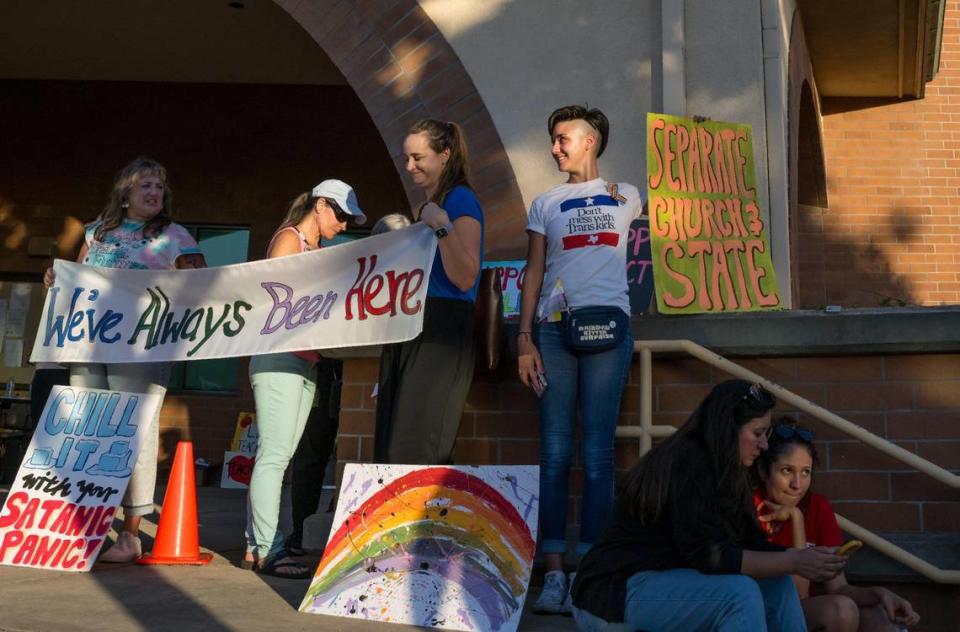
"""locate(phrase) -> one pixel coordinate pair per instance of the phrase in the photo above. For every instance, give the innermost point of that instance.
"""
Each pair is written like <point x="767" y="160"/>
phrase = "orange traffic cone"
<point x="178" y="538"/>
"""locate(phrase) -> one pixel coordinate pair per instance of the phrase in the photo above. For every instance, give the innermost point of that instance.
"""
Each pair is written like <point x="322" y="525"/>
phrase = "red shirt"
<point x="819" y="522"/>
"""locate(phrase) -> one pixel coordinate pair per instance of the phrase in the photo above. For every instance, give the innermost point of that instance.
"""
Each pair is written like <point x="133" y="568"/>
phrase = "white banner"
<point x="74" y="474"/>
<point x="367" y="292"/>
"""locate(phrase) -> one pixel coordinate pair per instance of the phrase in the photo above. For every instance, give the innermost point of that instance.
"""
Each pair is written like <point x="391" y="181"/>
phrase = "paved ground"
<point x="216" y="598"/>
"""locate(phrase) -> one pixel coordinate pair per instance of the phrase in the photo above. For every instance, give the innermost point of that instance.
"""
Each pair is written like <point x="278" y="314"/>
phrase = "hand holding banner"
<point x="370" y="291"/>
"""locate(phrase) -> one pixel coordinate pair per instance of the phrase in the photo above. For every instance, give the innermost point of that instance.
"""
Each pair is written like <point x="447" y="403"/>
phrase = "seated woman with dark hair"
<point x="793" y="516"/>
<point x="684" y="550"/>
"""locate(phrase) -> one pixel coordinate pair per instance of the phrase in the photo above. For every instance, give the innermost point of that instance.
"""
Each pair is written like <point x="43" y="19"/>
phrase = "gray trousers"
<point x="148" y="377"/>
<point x="424" y="384"/>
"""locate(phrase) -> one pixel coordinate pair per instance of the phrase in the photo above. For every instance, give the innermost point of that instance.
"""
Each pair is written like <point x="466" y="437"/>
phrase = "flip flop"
<point x="273" y="566"/>
<point x="295" y="551"/>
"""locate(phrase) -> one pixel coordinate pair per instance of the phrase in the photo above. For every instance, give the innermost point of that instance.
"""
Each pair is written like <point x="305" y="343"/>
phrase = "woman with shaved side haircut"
<point x="576" y="258"/>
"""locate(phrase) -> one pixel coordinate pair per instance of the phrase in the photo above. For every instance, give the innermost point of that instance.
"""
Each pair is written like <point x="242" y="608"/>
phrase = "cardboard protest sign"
<point x="441" y="547"/>
<point x="239" y="460"/>
<point x="710" y="247"/>
<point x="237" y="469"/>
<point x="639" y="273"/>
<point x="639" y="266"/>
<point x="365" y="292"/>
<point x="245" y="436"/>
<point x="511" y="284"/>
<point x="74" y="474"/>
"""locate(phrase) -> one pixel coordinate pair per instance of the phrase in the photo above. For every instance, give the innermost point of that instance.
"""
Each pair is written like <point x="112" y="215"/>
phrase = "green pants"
<point x="283" y="388"/>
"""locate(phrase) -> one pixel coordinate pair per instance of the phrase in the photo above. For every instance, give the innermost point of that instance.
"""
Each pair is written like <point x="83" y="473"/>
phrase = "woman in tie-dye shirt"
<point x="134" y="231"/>
<point x="127" y="246"/>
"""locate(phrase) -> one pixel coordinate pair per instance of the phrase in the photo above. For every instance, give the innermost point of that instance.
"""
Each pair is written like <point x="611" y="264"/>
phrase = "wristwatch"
<point x="443" y="231"/>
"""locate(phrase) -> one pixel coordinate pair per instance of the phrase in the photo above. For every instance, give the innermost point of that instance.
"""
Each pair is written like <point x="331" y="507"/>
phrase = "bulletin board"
<point x="20" y="305"/>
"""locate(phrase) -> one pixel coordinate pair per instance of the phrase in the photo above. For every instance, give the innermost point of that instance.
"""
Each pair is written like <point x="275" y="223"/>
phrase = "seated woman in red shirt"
<point x="793" y="516"/>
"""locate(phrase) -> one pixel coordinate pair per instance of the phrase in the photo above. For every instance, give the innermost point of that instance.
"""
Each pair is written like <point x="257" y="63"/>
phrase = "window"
<point x="221" y="245"/>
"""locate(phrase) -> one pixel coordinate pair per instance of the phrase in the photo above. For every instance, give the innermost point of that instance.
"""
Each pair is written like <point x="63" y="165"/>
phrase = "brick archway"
<point x="403" y="69"/>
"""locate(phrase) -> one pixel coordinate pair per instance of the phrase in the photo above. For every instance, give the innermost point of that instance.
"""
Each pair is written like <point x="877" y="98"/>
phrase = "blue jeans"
<point x="683" y="599"/>
<point x="598" y="379"/>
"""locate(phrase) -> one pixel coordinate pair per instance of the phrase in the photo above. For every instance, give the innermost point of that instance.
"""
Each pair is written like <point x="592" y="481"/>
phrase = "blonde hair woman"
<point x="135" y="231"/>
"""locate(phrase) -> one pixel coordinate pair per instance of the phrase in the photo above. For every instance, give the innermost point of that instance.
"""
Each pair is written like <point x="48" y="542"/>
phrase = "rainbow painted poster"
<point x="446" y="547"/>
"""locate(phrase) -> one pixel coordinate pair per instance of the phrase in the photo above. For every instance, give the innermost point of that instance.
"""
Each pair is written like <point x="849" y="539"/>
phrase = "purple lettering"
<point x="280" y="306"/>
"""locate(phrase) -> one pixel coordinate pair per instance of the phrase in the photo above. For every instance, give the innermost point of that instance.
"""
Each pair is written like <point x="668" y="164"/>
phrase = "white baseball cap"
<point x="344" y="195"/>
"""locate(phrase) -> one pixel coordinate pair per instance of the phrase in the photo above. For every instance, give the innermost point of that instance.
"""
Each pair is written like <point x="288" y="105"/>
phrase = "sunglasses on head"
<point x="755" y="393"/>
<point x="789" y="432"/>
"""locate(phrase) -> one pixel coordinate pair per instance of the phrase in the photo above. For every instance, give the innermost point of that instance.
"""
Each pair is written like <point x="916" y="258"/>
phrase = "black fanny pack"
<point x="594" y="329"/>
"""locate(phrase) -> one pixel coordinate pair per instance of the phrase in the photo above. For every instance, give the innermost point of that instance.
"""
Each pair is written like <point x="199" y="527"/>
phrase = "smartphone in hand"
<point x="539" y="384"/>
<point x="849" y="547"/>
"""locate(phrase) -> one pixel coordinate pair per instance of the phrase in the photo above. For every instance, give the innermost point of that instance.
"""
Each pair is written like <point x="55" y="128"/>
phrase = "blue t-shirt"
<point x="460" y="202"/>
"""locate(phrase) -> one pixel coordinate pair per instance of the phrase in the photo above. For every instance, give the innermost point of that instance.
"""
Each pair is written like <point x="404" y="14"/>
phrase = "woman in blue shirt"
<point x="424" y="382"/>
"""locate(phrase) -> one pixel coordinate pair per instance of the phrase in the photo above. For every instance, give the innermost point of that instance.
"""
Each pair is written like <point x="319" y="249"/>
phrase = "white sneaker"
<point x="553" y="595"/>
<point x="126" y="549"/>
<point x="568" y="600"/>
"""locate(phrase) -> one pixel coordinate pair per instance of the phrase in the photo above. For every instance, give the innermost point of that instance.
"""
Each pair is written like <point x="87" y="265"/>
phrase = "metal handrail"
<point x="646" y="432"/>
<point x="893" y="551"/>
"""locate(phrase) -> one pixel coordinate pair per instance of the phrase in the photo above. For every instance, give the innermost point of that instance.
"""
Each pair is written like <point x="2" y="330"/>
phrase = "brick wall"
<point x="206" y="420"/>
<point x="913" y="400"/>
<point x="235" y="154"/>
<point x="892" y="230"/>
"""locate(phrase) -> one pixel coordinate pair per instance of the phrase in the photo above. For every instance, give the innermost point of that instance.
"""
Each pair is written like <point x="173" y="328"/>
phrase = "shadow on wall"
<point x="848" y="251"/>
<point x="855" y="265"/>
<point x="16" y="232"/>
<point x="169" y="438"/>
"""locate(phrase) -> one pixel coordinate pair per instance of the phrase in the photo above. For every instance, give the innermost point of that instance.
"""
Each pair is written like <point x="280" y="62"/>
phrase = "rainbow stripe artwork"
<point x="446" y="547"/>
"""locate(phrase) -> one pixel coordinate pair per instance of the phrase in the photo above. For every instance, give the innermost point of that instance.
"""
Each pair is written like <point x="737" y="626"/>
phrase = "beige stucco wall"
<point x="724" y="70"/>
<point x="528" y="57"/>
<point x="778" y="22"/>
<point x="736" y="58"/>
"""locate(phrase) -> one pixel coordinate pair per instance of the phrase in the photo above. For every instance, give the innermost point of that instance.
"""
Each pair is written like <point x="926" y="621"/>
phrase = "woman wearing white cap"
<point x="284" y="383"/>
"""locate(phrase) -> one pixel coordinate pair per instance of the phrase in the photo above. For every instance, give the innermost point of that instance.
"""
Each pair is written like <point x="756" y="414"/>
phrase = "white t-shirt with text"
<point x="586" y="230"/>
